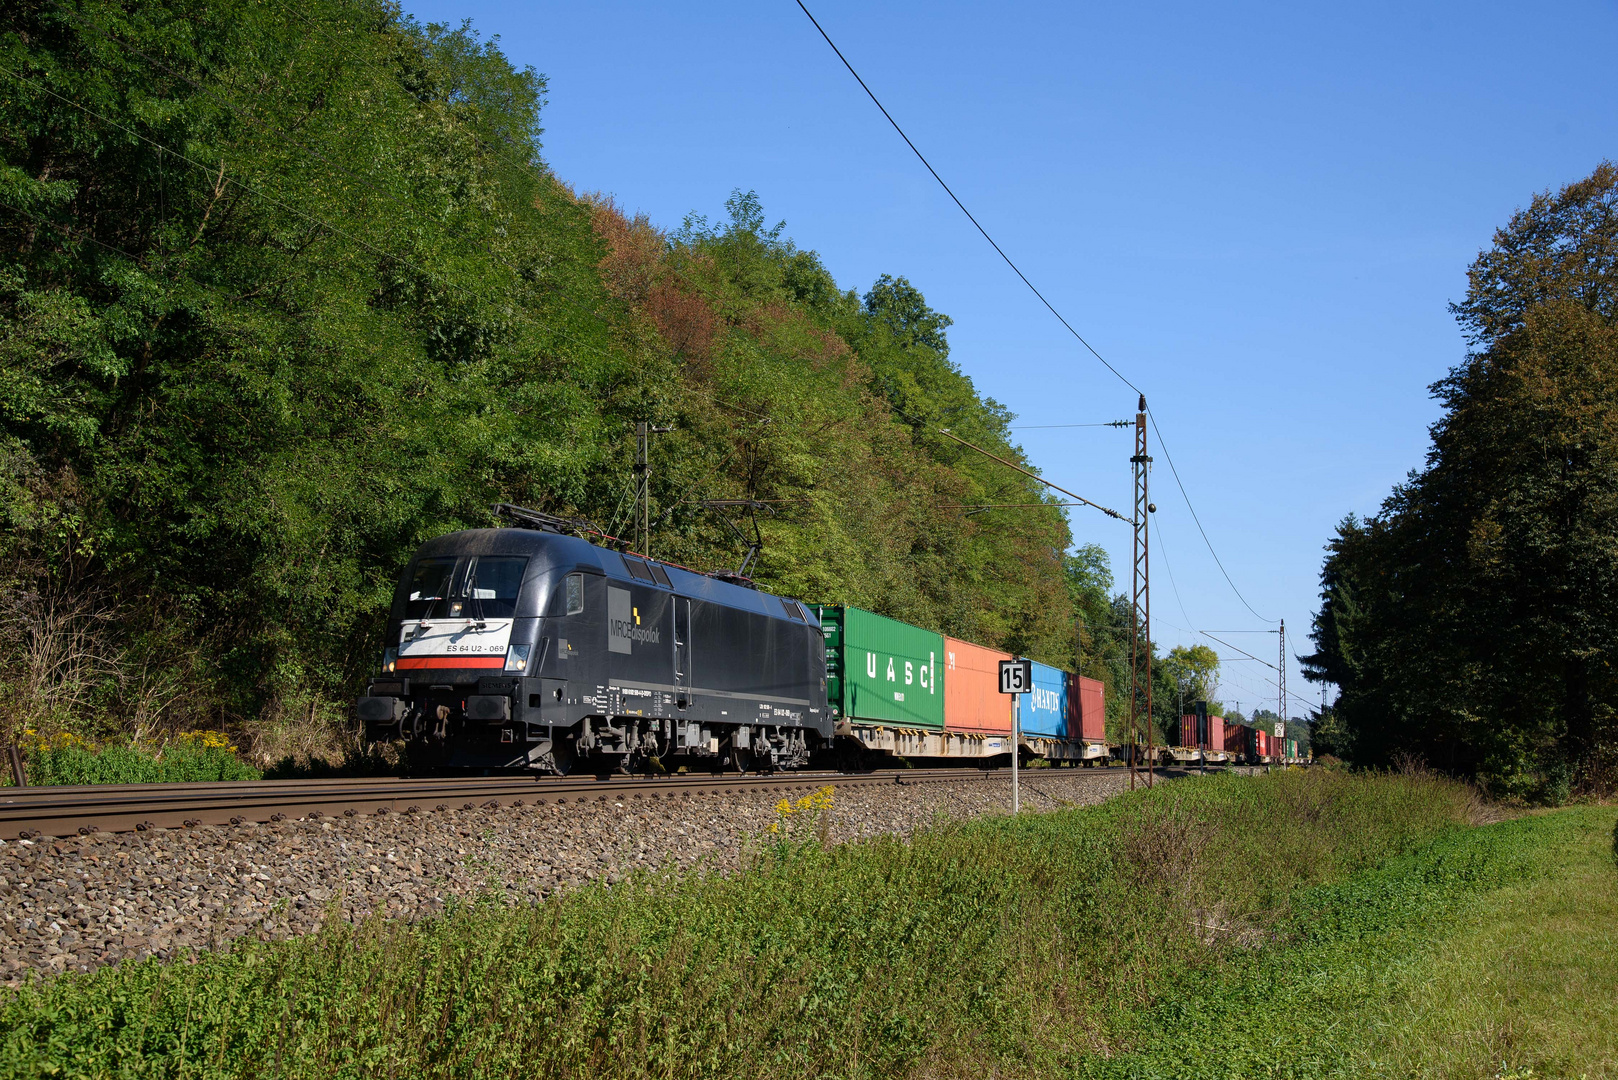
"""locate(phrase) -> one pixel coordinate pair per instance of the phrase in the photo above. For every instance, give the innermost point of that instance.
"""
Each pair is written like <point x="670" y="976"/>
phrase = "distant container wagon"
<point x="1202" y="739"/>
<point x="1187" y="749"/>
<point x="1216" y="752"/>
<point x="1241" y="742"/>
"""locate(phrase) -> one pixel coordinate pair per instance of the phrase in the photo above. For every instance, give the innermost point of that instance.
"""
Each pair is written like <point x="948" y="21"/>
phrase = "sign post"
<point x="1016" y="677"/>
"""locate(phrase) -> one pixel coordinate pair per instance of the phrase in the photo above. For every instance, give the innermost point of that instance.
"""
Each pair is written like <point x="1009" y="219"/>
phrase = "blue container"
<point x="1044" y="712"/>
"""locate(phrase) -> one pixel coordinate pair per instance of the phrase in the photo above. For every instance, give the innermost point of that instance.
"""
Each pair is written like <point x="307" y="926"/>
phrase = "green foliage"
<point x="193" y="757"/>
<point x="286" y="292"/>
<point x="1197" y="668"/>
<point x="1015" y="944"/>
<point x="1470" y="622"/>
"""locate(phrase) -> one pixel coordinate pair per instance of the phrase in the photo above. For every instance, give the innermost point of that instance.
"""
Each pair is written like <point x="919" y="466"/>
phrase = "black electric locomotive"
<point x="523" y="648"/>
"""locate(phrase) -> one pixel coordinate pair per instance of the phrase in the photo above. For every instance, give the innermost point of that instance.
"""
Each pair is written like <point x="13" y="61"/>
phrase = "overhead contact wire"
<point x="985" y="233"/>
<point x="1032" y="288"/>
<point x="1183" y="494"/>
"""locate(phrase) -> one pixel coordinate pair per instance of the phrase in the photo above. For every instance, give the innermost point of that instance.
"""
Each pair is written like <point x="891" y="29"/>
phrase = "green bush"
<point x="194" y="757"/>
<point x="1009" y="941"/>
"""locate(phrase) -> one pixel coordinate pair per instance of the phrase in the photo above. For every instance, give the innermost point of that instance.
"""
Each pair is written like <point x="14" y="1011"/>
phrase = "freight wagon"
<point x="1263" y="748"/>
<point x="885" y="685"/>
<point x="1064" y="718"/>
<point x="1202" y="739"/>
<point x="1240" y="744"/>
<point x="1188" y="750"/>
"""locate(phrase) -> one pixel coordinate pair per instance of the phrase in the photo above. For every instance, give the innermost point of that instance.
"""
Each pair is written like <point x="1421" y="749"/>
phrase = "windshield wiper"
<point x="472" y="591"/>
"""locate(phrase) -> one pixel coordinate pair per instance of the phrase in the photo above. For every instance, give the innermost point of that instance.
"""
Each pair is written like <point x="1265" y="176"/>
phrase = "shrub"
<point x="191" y="757"/>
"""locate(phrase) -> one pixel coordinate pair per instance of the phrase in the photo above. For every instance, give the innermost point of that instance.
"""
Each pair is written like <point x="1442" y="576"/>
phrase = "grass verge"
<point x="1484" y="953"/>
<point x="1083" y="942"/>
<point x="1525" y="983"/>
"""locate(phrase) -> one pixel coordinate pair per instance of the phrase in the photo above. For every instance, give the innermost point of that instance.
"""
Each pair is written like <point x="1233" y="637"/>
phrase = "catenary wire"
<point x="1034" y="289"/>
<point x="923" y="159"/>
<point x="1244" y="658"/>
<point x="1174" y="472"/>
<point x="1163" y="552"/>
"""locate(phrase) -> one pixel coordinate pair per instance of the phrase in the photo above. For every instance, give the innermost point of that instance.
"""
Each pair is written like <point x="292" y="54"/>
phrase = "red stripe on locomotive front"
<point x="416" y="663"/>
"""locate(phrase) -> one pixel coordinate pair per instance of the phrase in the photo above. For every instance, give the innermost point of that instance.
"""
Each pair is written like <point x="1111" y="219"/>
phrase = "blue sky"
<point x="1258" y="212"/>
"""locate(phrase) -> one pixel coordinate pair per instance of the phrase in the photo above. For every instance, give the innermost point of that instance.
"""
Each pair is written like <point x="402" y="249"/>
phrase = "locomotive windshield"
<point x="492" y="583"/>
<point x="474" y="587"/>
<point x="428" y="588"/>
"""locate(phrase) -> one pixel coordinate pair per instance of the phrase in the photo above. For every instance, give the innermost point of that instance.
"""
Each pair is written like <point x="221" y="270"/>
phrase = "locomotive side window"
<point x="575" y="593"/>
<point x="429" y="586"/>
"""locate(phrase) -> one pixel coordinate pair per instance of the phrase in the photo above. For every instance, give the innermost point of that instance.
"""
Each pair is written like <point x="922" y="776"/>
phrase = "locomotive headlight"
<point x="517" y="657"/>
<point x="390" y="659"/>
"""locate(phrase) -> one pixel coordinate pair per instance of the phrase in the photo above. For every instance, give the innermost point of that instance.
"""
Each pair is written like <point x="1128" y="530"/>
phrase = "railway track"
<point x="65" y="811"/>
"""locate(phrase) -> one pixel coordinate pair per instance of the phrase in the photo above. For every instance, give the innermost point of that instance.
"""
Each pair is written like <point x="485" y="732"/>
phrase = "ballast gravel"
<point x="79" y="903"/>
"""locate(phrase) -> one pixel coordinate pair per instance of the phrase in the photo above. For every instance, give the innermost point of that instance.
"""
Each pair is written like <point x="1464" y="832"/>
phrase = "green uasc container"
<point x="883" y="670"/>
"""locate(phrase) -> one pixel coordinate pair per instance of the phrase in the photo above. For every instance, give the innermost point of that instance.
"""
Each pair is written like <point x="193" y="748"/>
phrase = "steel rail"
<point x="64" y="811"/>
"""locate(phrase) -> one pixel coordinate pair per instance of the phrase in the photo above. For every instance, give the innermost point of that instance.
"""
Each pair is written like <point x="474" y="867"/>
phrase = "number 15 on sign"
<point x="1016" y="676"/>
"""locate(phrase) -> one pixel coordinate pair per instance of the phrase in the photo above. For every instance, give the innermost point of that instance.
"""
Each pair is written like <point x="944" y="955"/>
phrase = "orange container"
<point x="972" y="697"/>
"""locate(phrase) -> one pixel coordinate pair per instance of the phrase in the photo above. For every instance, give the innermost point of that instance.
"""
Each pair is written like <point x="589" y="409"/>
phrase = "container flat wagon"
<point x="884" y="682"/>
<point x="1202" y="740"/>
<point x="1188" y="751"/>
<point x="1215" y="752"/>
<point x="1042" y="714"/>
<point x="1086" y="720"/>
<point x="977" y="716"/>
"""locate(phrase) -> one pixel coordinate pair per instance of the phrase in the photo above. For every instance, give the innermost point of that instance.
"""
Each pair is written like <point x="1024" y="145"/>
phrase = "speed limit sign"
<point x="1016" y="676"/>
